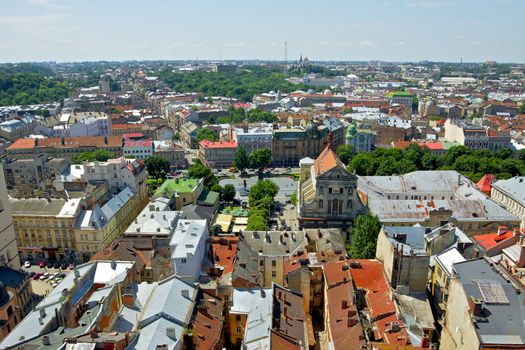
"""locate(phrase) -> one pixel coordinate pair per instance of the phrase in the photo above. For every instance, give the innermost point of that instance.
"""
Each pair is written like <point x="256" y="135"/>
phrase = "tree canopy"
<point x="205" y="134"/>
<point x="242" y="84"/>
<point x="199" y="170"/>
<point x="158" y="167"/>
<point x="472" y="163"/>
<point x="261" y="200"/>
<point x="240" y="158"/>
<point x="345" y="153"/>
<point x="364" y="236"/>
<point x="99" y="155"/>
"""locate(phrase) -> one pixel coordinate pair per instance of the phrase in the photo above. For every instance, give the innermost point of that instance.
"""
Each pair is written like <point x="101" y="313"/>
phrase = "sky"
<point x="347" y="30"/>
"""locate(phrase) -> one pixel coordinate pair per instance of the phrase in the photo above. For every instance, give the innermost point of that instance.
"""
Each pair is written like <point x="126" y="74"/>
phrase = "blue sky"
<point x="392" y="30"/>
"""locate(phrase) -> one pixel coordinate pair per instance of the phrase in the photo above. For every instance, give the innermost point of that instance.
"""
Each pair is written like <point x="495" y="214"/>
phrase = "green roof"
<point x="399" y="93"/>
<point x="208" y="198"/>
<point x="172" y="186"/>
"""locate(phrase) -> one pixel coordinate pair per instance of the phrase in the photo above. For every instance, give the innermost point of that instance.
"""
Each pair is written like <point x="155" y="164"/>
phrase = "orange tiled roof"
<point x="485" y="183"/>
<point x="490" y="240"/>
<point x="326" y="161"/>
<point x="223" y="251"/>
<point x="370" y="277"/>
<point x="22" y="144"/>
<point x="207" y="327"/>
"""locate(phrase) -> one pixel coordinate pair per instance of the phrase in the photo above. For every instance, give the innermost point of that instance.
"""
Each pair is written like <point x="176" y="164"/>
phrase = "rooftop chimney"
<point x="170" y="333"/>
<point x="185" y="293"/>
<point x="113" y="264"/>
<point x="475" y="306"/>
<point x="43" y="313"/>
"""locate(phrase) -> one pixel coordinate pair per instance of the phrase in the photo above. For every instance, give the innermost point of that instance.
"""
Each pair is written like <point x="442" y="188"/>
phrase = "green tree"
<point x="158" y="167"/>
<point x="256" y="223"/>
<point x="228" y="193"/>
<point x="345" y="153"/>
<point x="364" y="237"/>
<point x="521" y="109"/>
<point x="240" y="158"/>
<point x="363" y="164"/>
<point x="215" y="230"/>
<point x="205" y="134"/>
<point x="261" y="189"/>
<point x="100" y="155"/>
<point x="261" y="158"/>
<point x="199" y="170"/>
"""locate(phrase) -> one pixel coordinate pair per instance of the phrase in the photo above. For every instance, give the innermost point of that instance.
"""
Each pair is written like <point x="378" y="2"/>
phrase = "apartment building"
<point x="8" y="248"/>
<point x="253" y="137"/>
<point x="117" y="172"/>
<point x="139" y="149"/>
<point x="188" y="246"/>
<point x="217" y="154"/>
<point x="476" y="137"/>
<point x="96" y="228"/>
<point x="45" y="228"/>
<point x="33" y="173"/>
<point x="511" y="195"/>
<point x="63" y="147"/>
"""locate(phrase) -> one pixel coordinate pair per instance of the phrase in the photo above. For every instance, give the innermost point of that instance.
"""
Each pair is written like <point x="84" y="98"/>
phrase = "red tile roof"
<point x="505" y="237"/>
<point x="22" y="144"/>
<point x="485" y="183"/>
<point x="138" y="143"/>
<point x="326" y="161"/>
<point x="223" y="251"/>
<point x="208" y="323"/>
<point x="345" y="329"/>
<point x="218" y="144"/>
<point x="368" y="275"/>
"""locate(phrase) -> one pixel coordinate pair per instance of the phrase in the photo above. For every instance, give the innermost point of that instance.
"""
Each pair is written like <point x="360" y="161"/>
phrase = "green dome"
<point x="311" y="129"/>
<point x="351" y="132"/>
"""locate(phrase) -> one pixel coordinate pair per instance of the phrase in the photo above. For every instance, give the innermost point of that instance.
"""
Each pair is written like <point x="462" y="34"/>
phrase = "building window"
<point x="329" y="189"/>
<point x="238" y="318"/>
<point x="183" y="261"/>
<point x="321" y="190"/>
<point x="320" y="203"/>
<point x="341" y="190"/>
<point x="274" y="274"/>
<point x="274" y="263"/>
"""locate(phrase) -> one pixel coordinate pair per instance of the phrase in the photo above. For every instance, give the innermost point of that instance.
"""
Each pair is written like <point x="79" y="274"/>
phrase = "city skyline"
<point x="404" y="30"/>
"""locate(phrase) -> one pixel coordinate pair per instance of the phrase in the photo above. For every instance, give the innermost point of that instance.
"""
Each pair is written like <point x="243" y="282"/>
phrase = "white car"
<point x="27" y="264"/>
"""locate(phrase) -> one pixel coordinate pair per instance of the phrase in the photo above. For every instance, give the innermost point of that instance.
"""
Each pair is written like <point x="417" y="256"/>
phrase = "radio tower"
<point x="285" y="56"/>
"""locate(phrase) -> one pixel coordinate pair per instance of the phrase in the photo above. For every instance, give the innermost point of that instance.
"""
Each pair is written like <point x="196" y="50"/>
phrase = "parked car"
<point x="54" y="284"/>
<point x="31" y="274"/>
<point x="49" y="264"/>
<point x="61" y="275"/>
<point x="63" y="266"/>
<point x="42" y="264"/>
<point x="37" y="275"/>
<point x="43" y="277"/>
<point x="27" y="264"/>
<point x="56" y="265"/>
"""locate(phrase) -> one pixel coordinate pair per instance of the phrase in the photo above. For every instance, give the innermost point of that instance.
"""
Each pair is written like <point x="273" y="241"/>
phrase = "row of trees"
<point x="262" y="202"/>
<point x="504" y="163"/>
<point x="99" y="155"/>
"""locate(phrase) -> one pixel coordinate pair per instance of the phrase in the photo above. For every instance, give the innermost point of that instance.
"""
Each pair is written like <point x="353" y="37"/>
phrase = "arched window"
<point x="321" y="203"/>
<point x="321" y="190"/>
<point x="349" y="204"/>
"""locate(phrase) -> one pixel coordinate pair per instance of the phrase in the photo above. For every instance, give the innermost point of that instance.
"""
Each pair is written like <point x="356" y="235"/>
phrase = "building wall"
<point x="458" y="332"/>
<point x="8" y="247"/>
<point x="509" y="203"/>
<point x="189" y="267"/>
<point x="40" y="236"/>
<point x="217" y="157"/>
<point x="10" y="317"/>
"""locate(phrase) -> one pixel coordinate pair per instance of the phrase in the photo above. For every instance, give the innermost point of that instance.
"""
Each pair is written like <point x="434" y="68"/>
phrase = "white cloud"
<point x="54" y="4"/>
<point x="399" y="43"/>
<point x="365" y="43"/>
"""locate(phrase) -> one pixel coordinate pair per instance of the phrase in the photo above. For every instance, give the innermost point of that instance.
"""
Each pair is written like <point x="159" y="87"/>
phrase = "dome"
<point x="351" y="132"/>
<point x="327" y="92"/>
<point x="311" y="129"/>
<point x="4" y="295"/>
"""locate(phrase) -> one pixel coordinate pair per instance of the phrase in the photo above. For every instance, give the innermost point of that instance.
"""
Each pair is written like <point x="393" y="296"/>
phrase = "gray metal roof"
<point x="514" y="187"/>
<point x="501" y="323"/>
